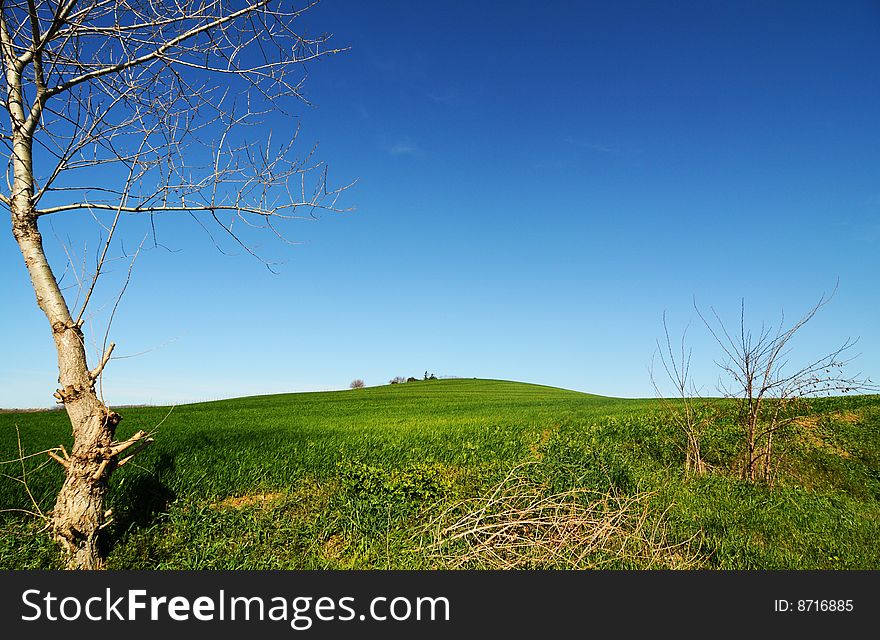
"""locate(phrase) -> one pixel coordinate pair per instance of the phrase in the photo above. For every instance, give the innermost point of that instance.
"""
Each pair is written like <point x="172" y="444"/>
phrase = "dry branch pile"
<point x="521" y="525"/>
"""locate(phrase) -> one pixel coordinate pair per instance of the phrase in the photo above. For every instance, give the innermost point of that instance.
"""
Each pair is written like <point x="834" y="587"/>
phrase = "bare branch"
<point x="267" y="212"/>
<point x="140" y="447"/>
<point x="94" y="373"/>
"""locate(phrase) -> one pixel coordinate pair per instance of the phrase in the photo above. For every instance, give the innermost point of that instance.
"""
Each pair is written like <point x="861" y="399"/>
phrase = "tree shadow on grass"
<point x="140" y="498"/>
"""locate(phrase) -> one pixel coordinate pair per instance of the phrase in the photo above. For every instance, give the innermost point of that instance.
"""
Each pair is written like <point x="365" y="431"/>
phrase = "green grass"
<point x="349" y="479"/>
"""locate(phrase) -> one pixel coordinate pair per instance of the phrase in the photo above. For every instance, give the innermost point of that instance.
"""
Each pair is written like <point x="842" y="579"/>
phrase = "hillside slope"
<point x="353" y="478"/>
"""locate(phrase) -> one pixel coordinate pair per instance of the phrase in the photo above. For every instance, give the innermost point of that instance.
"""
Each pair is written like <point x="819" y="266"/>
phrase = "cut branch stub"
<point x="100" y="472"/>
<point x="143" y="445"/>
<point x="58" y="459"/>
<point x="71" y="392"/>
<point x="118" y="447"/>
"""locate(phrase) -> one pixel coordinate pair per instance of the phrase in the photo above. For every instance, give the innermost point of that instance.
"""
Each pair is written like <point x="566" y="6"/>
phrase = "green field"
<point x="459" y="473"/>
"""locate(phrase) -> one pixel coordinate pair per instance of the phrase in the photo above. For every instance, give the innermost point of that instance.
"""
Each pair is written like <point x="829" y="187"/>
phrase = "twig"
<point x="24" y="473"/>
<point x="143" y="445"/>
<point x="119" y="447"/>
<point x="94" y="373"/>
<point x="58" y="459"/>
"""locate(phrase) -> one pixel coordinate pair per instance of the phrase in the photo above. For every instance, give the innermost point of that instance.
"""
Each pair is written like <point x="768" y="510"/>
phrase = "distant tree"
<point x="357" y="384"/>
<point x="397" y="380"/>
<point x="134" y="109"/>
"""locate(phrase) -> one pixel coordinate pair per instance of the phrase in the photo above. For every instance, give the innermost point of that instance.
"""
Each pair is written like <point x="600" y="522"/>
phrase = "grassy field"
<point x="459" y="473"/>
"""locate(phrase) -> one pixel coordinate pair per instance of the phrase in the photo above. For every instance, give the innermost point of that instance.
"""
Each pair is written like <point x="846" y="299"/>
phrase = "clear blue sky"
<point x="538" y="182"/>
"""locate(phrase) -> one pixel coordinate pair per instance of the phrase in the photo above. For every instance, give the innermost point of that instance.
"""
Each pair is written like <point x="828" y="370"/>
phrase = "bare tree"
<point x="357" y="384"/>
<point x="689" y="413"/>
<point x="135" y="108"/>
<point x="771" y="393"/>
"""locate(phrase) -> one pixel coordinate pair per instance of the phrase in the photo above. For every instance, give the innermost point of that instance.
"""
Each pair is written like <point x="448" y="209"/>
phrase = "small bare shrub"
<point x="770" y="392"/>
<point x="688" y="412"/>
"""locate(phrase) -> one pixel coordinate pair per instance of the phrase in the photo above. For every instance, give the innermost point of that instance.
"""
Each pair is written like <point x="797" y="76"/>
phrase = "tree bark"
<point x="79" y="510"/>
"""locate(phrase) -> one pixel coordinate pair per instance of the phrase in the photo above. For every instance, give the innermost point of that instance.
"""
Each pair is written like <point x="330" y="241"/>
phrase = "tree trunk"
<point x="79" y="511"/>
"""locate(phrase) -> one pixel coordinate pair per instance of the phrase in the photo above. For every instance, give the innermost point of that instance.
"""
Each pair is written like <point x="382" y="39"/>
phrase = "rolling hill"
<point x="414" y="476"/>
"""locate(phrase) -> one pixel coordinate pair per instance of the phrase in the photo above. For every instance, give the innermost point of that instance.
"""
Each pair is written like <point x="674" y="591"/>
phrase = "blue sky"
<point x="537" y="184"/>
